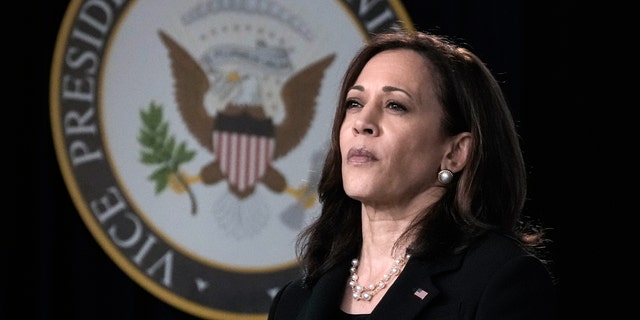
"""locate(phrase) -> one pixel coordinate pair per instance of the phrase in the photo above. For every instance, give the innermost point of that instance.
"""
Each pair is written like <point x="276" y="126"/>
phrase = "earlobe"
<point x="460" y="148"/>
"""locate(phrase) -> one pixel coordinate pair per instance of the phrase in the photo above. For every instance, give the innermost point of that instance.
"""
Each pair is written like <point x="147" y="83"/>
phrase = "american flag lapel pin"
<point x="420" y="293"/>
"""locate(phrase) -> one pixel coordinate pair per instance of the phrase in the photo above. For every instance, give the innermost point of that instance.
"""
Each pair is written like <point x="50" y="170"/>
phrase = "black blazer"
<point x="494" y="280"/>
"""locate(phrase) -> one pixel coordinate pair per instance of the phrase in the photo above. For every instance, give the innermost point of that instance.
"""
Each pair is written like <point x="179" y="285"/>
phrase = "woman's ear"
<point x="459" y="148"/>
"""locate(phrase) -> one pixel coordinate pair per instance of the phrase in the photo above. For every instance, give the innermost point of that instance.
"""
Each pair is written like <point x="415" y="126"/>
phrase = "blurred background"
<point x="55" y="268"/>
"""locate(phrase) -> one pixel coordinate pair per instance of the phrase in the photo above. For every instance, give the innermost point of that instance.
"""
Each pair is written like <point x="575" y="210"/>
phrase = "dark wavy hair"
<point x="488" y="194"/>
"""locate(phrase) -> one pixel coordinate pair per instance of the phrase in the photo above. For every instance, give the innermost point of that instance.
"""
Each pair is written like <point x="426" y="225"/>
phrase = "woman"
<point x="422" y="191"/>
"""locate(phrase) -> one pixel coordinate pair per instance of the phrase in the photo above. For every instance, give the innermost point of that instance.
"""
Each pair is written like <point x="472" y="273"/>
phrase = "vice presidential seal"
<point x="190" y="135"/>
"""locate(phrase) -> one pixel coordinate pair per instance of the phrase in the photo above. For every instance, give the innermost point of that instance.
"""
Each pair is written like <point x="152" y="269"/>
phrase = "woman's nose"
<point x="366" y="130"/>
<point x="366" y="123"/>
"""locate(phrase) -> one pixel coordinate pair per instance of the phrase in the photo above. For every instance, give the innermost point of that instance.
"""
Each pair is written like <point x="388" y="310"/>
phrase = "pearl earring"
<point x="445" y="176"/>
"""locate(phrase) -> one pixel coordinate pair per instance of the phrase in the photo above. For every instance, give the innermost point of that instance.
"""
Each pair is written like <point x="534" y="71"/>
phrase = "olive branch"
<point x="160" y="149"/>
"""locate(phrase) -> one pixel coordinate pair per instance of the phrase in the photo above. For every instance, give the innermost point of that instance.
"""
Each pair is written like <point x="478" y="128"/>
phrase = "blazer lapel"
<point x="413" y="290"/>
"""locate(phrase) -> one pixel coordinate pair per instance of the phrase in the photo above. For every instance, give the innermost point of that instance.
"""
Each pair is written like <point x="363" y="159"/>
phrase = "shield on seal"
<point x="243" y="147"/>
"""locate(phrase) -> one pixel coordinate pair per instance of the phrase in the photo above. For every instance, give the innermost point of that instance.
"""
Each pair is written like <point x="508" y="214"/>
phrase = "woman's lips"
<point x="360" y="155"/>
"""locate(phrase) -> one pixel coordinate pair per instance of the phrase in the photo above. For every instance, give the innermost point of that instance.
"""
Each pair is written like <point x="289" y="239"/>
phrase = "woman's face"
<point x="391" y="139"/>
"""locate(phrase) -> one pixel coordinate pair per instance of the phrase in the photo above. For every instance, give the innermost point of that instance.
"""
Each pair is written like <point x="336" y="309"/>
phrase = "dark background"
<point x="56" y="269"/>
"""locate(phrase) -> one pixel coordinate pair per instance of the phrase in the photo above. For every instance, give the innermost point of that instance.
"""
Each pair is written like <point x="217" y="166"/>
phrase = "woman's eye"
<point x="396" y="106"/>
<point x="352" y="104"/>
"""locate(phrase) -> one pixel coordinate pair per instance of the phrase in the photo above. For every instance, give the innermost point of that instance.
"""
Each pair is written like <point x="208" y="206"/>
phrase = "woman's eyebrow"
<point x="392" y="88"/>
<point x="384" y="89"/>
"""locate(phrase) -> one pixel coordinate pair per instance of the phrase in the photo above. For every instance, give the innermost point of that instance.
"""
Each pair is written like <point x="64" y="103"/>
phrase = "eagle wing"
<point x="190" y="86"/>
<point x="299" y="95"/>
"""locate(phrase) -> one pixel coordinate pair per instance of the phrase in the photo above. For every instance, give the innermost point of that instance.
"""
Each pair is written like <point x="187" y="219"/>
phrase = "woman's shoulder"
<point x="289" y="299"/>
<point x="294" y="287"/>
<point x="499" y="245"/>
<point x="506" y="243"/>
<point x="495" y="250"/>
<point x="500" y="267"/>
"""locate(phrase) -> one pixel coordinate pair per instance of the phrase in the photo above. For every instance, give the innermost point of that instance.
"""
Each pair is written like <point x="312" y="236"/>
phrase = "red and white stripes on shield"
<point x="243" y="158"/>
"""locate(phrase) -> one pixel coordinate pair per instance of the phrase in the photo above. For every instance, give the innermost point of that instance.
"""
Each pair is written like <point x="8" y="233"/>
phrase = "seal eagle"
<point x="241" y="133"/>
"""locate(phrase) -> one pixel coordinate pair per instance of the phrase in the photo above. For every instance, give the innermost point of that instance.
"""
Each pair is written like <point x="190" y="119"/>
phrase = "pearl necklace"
<point x="366" y="293"/>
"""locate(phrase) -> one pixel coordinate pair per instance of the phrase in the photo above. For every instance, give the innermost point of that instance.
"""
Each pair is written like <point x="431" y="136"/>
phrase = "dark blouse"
<point x="346" y="316"/>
